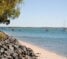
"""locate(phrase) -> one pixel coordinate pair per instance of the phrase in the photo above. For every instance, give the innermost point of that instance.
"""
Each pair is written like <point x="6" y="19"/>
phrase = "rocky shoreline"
<point x="10" y="48"/>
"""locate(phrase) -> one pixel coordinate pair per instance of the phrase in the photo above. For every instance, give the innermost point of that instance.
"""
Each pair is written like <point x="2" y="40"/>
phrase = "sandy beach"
<point x="42" y="53"/>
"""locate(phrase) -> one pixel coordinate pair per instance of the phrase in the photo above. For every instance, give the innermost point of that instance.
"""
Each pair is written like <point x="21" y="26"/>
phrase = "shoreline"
<point x="40" y="52"/>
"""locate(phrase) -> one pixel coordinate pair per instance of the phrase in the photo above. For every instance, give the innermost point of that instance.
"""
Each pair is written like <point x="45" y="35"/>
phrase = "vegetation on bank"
<point x="3" y="36"/>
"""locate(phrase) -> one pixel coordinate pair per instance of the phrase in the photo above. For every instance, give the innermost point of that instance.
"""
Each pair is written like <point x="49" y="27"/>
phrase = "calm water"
<point x="52" y="39"/>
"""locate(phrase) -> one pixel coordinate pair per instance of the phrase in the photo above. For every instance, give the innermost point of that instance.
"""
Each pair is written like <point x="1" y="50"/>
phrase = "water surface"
<point x="52" y="39"/>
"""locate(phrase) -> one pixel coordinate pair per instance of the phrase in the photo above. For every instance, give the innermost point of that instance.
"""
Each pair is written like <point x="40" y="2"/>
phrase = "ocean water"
<point x="52" y="39"/>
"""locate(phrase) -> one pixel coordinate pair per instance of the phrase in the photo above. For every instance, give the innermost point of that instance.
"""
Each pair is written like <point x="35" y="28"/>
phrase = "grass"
<point x="3" y="36"/>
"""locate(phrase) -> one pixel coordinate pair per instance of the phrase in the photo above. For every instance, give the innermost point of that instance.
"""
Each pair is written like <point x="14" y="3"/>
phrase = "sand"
<point x="42" y="53"/>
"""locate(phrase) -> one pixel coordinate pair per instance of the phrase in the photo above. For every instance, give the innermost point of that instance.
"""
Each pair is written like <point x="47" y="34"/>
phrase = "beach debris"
<point x="10" y="48"/>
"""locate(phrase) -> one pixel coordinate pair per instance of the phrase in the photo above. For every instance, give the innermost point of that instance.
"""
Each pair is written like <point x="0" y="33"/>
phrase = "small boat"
<point x="65" y="29"/>
<point x="12" y="29"/>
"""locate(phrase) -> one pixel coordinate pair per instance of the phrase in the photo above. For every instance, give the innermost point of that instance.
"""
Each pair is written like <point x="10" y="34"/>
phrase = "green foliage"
<point x="9" y="9"/>
<point x="3" y="36"/>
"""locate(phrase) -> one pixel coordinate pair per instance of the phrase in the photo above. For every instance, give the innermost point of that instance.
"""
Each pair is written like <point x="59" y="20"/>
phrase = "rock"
<point x="10" y="48"/>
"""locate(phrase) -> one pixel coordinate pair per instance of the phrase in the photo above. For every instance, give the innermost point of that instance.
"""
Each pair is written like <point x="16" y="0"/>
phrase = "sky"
<point x="42" y="13"/>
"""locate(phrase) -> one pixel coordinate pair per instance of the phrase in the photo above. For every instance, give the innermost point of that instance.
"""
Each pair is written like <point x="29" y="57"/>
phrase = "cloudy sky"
<point x="41" y="13"/>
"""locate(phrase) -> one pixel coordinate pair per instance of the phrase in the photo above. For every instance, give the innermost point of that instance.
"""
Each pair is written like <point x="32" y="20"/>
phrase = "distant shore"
<point x="42" y="53"/>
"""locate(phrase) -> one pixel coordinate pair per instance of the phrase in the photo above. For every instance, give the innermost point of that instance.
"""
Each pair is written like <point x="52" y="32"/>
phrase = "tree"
<point x="9" y="9"/>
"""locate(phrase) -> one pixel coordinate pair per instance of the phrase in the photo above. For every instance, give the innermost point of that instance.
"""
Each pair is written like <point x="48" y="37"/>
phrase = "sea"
<point x="51" y="39"/>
